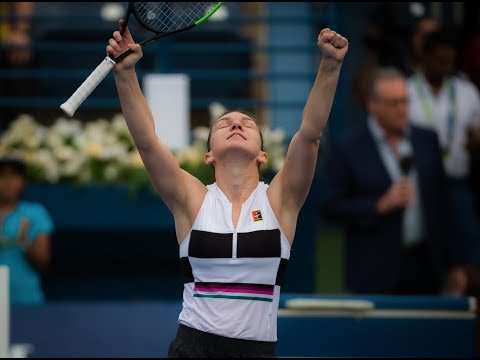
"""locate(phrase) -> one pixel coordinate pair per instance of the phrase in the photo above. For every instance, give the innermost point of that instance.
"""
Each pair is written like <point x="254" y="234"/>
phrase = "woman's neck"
<point x="7" y="206"/>
<point x="236" y="180"/>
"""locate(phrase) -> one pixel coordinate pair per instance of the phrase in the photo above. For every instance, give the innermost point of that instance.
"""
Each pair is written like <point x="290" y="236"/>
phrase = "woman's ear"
<point x="262" y="158"/>
<point x="209" y="158"/>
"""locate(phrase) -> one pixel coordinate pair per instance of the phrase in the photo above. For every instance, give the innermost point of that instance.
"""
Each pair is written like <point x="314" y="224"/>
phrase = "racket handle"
<point x="90" y="83"/>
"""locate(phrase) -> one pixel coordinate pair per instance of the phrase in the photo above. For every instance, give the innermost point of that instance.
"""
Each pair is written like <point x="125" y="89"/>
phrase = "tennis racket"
<point x="162" y="18"/>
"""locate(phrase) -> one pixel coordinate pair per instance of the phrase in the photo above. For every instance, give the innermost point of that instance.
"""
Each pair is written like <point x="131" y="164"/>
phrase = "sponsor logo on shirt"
<point x="257" y="215"/>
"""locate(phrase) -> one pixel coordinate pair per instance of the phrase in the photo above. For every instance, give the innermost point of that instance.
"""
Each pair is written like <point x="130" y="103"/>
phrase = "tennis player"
<point x="234" y="235"/>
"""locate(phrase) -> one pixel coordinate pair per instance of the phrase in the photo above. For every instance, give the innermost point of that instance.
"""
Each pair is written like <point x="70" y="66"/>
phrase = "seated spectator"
<point x="385" y="183"/>
<point x="25" y="231"/>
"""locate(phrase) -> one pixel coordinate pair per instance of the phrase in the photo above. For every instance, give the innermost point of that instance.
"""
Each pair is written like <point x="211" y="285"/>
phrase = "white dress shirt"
<point x="412" y="221"/>
<point x="449" y="113"/>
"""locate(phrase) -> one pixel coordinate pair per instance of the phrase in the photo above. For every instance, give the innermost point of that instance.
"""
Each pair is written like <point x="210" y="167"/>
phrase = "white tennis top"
<point x="233" y="275"/>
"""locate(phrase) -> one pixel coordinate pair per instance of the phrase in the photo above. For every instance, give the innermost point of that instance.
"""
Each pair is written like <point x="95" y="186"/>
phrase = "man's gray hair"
<point x="380" y="73"/>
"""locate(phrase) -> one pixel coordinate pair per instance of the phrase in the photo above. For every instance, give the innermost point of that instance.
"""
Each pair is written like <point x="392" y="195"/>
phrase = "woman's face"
<point x="235" y="132"/>
<point x="11" y="184"/>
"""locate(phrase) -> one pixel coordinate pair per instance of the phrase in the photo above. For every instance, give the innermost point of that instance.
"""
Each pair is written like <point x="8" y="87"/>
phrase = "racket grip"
<point x="78" y="97"/>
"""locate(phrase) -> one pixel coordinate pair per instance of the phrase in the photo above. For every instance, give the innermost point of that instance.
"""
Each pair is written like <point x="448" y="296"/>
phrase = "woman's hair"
<point x="240" y="111"/>
<point x="16" y="164"/>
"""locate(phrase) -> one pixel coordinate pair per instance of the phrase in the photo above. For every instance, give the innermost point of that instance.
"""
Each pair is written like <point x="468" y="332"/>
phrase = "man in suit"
<point x="385" y="183"/>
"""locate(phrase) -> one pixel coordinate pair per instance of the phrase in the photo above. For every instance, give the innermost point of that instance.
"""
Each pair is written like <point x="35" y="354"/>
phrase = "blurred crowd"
<point x="412" y="222"/>
<point x="405" y="185"/>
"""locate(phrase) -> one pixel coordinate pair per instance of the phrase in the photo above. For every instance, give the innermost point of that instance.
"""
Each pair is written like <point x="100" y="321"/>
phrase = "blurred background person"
<point x="16" y="52"/>
<point x="469" y="59"/>
<point x="473" y="147"/>
<point x="389" y="45"/>
<point x="386" y="44"/>
<point x="25" y="233"/>
<point x="422" y="28"/>
<point x="449" y="104"/>
<point x="385" y="183"/>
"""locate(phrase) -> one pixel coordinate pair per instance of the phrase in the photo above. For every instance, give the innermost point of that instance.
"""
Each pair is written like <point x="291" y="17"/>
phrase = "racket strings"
<point x="170" y="16"/>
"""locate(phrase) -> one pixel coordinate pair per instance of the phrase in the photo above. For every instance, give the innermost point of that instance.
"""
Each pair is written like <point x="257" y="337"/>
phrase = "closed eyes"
<point x="227" y="122"/>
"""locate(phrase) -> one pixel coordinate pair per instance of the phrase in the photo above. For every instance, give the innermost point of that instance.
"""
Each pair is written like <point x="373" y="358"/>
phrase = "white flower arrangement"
<point x="103" y="152"/>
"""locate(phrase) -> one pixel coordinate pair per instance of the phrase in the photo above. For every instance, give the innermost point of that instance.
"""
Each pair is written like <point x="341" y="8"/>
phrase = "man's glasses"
<point x="392" y="102"/>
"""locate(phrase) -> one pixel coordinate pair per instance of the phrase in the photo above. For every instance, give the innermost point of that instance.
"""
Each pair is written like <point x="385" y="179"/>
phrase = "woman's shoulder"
<point x="31" y="207"/>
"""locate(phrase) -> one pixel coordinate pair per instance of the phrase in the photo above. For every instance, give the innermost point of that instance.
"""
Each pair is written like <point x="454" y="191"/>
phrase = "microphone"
<point x="406" y="160"/>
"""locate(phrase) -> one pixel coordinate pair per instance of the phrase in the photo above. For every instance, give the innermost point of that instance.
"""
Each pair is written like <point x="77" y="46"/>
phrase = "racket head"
<point x="169" y="17"/>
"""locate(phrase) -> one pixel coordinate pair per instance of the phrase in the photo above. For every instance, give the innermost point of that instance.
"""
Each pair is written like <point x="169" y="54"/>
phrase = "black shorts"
<point x="192" y="343"/>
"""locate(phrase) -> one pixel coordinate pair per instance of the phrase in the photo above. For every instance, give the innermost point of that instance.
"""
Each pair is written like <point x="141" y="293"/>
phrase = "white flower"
<point x="66" y="149"/>
<point x="54" y="139"/>
<point x="119" y="125"/>
<point x="66" y="127"/>
<point x="49" y="165"/>
<point x="33" y="142"/>
<point x="215" y="109"/>
<point x="64" y="153"/>
<point x="114" y="152"/>
<point x="24" y="124"/>
<point x="94" y="150"/>
<point x="20" y="131"/>
<point x="134" y="159"/>
<point x="191" y="156"/>
<point x="109" y="139"/>
<point x="201" y="133"/>
<point x="277" y="136"/>
<point x="277" y="164"/>
<point x="31" y="157"/>
<point x="98" y="126"/>
<point x="73" y="167"/>
<point x="94" y="134"/>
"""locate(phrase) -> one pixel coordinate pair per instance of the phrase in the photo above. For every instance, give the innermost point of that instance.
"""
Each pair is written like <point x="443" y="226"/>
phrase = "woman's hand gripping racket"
<point x="162" y="18"/>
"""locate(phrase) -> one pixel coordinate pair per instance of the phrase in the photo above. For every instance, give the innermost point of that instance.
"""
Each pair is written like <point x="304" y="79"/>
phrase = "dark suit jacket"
<point x="355" y="178"/>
